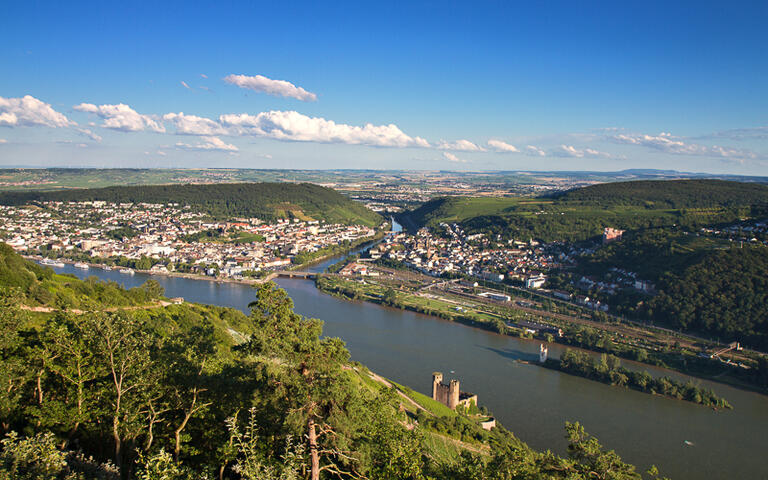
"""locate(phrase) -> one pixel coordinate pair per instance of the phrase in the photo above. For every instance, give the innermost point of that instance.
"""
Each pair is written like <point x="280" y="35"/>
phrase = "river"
<point x="532" y="402"/>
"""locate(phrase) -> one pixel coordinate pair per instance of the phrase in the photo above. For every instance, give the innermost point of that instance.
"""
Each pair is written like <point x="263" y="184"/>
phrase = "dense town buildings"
<point x="172" y="236"/>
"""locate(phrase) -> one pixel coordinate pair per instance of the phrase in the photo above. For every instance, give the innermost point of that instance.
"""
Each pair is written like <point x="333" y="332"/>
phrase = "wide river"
<point x="684" y="440"/>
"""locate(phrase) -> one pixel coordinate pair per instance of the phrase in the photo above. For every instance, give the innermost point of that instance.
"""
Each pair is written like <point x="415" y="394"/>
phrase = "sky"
<point x="386" y="85"/>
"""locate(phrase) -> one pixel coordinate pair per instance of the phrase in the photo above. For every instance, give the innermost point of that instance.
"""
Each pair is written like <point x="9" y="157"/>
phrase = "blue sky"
<point x="438" y="85"/>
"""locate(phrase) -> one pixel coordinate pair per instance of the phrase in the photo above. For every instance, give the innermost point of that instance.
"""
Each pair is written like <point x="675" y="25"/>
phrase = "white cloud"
<point x="753" y="133"/>
<point x="534" y="151"/>
<point x="453" y="158"/>
<point x="210" y="143"/>
<point x="194" y="125"/>
<point x="294" y="126"/>
<point x="184" y="84"/>
<point x="500" y="146"/>
<point x="2" y="140"/>
<point x="665" y="142"/>
<point x="122" y="117"/>
<point x="571" y="151"/>
<point x="460" y="146"/>
<point x="280" y="88"/>
<point x="204" y="75"/>
<point x="89" y="133"/>
<point x="29" y="111"/>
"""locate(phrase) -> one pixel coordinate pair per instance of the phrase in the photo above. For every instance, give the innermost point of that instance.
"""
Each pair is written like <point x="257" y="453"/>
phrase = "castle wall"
<point x="448" y="395"/>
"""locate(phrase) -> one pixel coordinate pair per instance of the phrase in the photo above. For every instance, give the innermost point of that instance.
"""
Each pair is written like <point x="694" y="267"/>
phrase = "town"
<point x="168" y="238"/>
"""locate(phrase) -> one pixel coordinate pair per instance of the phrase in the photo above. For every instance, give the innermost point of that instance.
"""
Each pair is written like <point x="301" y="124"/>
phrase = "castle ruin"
<point x="450" y="395"/>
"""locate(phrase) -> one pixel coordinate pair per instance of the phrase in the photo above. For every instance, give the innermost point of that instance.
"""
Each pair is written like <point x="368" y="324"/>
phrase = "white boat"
<point x="59" y="263"/>
<point x="82" y="265"/>
<point x="127" y="271"/>
<point x="47" y="261"/>
<point x="106" y="268"/>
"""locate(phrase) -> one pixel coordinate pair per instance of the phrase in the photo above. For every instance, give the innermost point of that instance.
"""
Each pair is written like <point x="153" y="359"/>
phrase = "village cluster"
<point x="174" y="237"/>
<point x="454" y="252"/>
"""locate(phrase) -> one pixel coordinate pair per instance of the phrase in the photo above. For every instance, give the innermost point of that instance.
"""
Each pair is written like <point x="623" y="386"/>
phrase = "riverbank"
<point x="327" y="253"/>
<point x="189" y="276"/>
<point x="454" y="312"/>
<point x="515" y="321"/>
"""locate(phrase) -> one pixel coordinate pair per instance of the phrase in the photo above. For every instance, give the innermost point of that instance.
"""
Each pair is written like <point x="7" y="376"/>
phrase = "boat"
<point x="59" y="263"/>
<point x="81" y="265"/>
<point x="106" y="268"/>
<point x="47" y="261"/>
<point x="127" y="271"/>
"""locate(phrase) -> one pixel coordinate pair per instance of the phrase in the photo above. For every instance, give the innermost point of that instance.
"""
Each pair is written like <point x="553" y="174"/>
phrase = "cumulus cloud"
<point x="194" y="125"/>
<point x="278" y="88"/>
<point x="122" y="117"/>
<point x="209" y="144"/>
<point x="665" y="142"/>
<point x="534" y="151"/>
<point x="453" y="158"/>
<point x="293" y="126"/>
<point x="29" y="111"/>
<point x="500" y="146"/>
<point x="460" y="146"/>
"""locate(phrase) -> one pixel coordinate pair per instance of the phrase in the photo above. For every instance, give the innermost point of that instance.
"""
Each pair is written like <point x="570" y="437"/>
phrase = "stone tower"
<point x="437" y="381"/>
<point x="453" y="394"/>
<point x="543" y="351"/>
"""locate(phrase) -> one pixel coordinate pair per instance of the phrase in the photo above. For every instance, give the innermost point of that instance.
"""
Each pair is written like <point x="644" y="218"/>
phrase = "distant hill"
<point x="583" y="213"/>
<point x="268" y="201"/>
<point x="670" y="194"/>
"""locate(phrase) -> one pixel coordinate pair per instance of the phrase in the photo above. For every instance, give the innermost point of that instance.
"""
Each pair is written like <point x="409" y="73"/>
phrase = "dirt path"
<point x="77" y="311"/>
<point x="403" y="395"/>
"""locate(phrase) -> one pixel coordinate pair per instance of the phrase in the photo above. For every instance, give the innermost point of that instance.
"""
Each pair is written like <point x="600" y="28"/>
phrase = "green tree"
<point x="312" y="381"/>
<point x="13" y="370"/>
<point x="123" y="347"/>
<point x="592" y="460"/>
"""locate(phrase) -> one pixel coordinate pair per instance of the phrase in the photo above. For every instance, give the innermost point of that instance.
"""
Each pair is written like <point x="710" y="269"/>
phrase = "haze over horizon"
<point x="480" y="86"/>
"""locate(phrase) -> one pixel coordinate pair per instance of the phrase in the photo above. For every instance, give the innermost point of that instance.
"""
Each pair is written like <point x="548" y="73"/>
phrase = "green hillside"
<point x="268" y="201"/>
<point x="584" y="213"/>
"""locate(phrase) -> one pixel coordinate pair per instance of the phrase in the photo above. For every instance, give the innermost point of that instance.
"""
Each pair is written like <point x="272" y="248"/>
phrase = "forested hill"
<point x="584" y="213"/>
<point x="268" y="201"/>
<point x="670" y="194"/>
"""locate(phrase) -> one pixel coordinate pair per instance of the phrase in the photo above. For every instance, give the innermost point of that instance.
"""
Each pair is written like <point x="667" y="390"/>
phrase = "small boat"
<point x="106" y="268"/>
<point x="47" y="261"/>
<point x="81" y="265"/>
<point x="59" y="264"/>
<point x="127" y="271"/>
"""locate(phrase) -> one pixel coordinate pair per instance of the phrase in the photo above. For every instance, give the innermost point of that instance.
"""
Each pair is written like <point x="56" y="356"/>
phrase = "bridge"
<point x="295" y="274"/>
